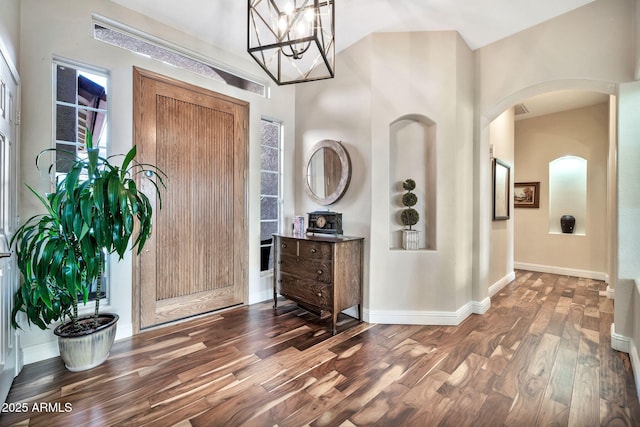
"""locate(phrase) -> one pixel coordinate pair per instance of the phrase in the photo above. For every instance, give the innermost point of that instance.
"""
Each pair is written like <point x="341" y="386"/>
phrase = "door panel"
<point x="10" y="364"/>
<point x="194" y="261"/>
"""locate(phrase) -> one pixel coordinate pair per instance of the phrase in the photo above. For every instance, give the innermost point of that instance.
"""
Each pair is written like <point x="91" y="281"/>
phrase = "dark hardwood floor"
<point x="540" y="356"/>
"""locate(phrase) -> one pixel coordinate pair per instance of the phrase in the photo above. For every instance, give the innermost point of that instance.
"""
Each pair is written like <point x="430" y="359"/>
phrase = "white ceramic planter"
<point x="410" y="239"/>
<point x="85" y="351"/>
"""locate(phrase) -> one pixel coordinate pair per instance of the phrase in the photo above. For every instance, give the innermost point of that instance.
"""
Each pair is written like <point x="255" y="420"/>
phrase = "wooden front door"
<point x="195" y="261"/>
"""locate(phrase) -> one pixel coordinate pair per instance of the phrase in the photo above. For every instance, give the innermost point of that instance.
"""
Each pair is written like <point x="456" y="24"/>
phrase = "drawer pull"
<point x="319" y="272"/>
<point x="284" y="245"/>
<point x="320" y="294"/>
<point x="314" y="250"/>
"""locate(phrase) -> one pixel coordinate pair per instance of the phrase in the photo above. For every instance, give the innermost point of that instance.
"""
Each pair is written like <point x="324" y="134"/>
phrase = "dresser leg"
<point x="360" y="312"/>
<point x="334" y="320"/>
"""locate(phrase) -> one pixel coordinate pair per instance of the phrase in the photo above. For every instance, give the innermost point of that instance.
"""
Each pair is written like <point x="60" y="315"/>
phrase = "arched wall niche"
<point x="568" y="192"/>
<point x="412" y="154"/>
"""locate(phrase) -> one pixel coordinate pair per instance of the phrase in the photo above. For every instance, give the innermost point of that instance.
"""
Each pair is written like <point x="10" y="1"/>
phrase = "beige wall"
<point x="10" y="29"/>
<point x="501" y="250"/>
<point x="380" y="79"/>
<point x="581" y="132"/>
<point x="590" y="46"/>
<point x="69" y="36"/>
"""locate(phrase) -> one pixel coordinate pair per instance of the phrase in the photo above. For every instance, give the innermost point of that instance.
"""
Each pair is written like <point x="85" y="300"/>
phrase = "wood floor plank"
<point x="585" y="401"/>
<point x="466" y="407"/>
<point x="494" y="410"/>
<point x="541" y="355"/>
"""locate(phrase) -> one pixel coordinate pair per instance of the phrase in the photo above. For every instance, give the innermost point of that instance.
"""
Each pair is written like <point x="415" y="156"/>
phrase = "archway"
<point x="482" y="179"/>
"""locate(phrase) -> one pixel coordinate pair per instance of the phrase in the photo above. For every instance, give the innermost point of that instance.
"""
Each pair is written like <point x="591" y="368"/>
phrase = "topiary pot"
<point x="410" y="239"/>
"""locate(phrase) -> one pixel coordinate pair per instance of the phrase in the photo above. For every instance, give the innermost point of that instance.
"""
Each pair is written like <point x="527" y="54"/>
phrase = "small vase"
<point x="567" y="223"/>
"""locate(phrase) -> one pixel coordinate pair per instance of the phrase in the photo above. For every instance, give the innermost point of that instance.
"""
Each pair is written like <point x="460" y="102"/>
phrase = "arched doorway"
<point x="484" y="285"/>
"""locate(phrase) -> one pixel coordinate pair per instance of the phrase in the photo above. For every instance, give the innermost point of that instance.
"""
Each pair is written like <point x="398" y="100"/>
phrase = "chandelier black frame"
<point x="292" y="40"/>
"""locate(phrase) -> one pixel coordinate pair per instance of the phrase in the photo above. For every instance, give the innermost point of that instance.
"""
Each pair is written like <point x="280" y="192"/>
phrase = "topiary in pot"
<point x="409" y="216"/>
<point x="95" y="211"/>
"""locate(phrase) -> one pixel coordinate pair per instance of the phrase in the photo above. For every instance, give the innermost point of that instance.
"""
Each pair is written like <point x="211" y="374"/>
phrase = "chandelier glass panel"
<point x="292" y="40"/>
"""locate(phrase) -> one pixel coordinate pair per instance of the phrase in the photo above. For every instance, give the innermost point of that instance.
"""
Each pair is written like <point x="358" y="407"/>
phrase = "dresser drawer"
<point x="287" y="246"/>
<point x="315" y="250"/>
<point x="306" y="268"/>
<point x="314" y="293"/>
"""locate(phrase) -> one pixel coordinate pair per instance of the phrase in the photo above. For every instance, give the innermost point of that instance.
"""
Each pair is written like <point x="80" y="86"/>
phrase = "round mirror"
<point x="327" y="172"/>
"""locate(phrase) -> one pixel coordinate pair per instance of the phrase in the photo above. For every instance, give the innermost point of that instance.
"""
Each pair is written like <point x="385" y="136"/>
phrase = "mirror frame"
<point x="345" y="176"/>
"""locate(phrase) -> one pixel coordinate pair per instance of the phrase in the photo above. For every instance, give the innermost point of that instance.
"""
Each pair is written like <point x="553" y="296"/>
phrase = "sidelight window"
<point x="270" y="190"/>
<point x="80" y="104"/>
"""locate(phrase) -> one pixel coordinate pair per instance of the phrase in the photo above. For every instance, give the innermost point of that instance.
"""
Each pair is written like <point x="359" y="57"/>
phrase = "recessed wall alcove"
<point x="568" y="192"/>
<point x="412" y="154"/>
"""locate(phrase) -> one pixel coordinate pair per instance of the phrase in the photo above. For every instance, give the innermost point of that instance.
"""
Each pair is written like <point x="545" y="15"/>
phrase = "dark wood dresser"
<point x="323" y="274"/>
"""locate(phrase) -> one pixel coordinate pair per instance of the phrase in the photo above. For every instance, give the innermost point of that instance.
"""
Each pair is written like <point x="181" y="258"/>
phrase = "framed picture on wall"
<point x="526" y="195"/>
<point x="500" y="190"/>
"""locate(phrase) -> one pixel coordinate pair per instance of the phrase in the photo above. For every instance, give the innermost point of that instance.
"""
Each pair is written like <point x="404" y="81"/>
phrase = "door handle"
<point x="5" y="254"/>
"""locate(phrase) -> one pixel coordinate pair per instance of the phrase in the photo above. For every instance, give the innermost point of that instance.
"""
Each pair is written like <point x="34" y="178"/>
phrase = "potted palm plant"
<point x="95" y="211"/>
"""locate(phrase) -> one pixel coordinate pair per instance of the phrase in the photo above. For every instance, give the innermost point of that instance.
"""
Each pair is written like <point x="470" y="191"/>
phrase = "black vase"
<point x="567" y="222"/>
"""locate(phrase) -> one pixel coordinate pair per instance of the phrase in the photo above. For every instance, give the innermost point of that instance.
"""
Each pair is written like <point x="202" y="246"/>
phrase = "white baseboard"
<point x="264" y="291"/>
<point x="262" y="296"/>
<point x="124" y="331"/>
<point x="620" y="342"/>
<point x="38" y="352"/>
<point x="408" y="317"/>
<point x="587" y="274"/>
<point x="635" y="365"/>
<point x="481" y="307"/>
<point x="611" y="293"/>
<point x="497" y="287"/>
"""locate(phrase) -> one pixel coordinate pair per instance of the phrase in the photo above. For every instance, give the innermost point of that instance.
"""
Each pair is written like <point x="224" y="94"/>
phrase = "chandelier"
<point x="292" y="40"/>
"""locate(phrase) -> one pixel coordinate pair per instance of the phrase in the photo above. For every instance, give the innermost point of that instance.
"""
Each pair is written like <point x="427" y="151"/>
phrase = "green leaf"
<point x="71" y="180"/>
<point x="127" y="159"/>
<point x="44" y="293"/>
<point x="88" y="138"/>
<point x="71" y="276"/>
<point x="98" y="194"/>
<point x="113" y="191"/>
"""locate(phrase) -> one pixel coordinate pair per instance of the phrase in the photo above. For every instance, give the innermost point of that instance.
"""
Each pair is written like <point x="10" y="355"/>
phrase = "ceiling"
<point x="479" y="22"/>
